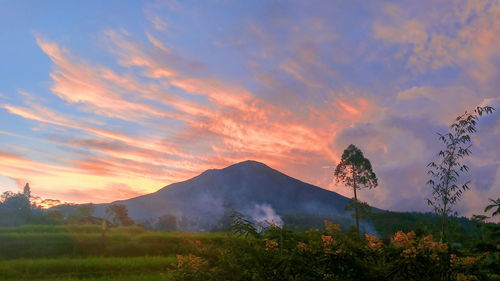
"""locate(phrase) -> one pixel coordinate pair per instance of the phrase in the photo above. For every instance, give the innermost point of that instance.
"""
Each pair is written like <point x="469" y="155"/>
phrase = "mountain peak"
<point x="249" y="163"/>
<point x="249" y="187"/>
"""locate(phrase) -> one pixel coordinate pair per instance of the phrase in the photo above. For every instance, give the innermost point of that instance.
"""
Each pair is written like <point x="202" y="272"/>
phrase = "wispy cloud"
<point x="286" y="87"/>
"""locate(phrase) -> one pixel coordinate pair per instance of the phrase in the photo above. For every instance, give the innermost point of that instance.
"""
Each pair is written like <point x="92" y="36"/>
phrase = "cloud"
<point x="289" y="86"/>
<point x="450" y="34"/>
<point x="99" y="89"/>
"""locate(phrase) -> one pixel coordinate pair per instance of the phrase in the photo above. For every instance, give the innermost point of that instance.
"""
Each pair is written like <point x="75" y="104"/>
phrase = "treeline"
<point x="24" y="208"/>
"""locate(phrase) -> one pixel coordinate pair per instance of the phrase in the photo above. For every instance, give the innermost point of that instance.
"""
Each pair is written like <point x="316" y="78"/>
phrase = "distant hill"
<point x="204" y="202"/>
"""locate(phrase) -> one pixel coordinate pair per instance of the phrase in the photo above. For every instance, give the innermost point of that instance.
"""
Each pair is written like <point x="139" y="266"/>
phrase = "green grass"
<point x="97" y="268"/>
<point x="79" y="252"/>
<point x="71" y="228"/>
<point x="143" y="277"/>
<point x="39" y="241"/>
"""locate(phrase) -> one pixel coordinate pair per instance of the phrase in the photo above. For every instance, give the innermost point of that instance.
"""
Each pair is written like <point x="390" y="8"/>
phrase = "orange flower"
<point x="427" y="243"/>
<point x="409" y="253"/>
<point x="270" y="244"/>
<point x="330" y="227"/>
<point x="190" y="262"/>
<point x="180" y="260"/>
<point x="463" y="277"/>
<point x="373" y="242"/>
<point x="303" y="247"/>
<point x="403" y="240"/>
<point x="327" y="240"/>
<point x="328" y="243"/>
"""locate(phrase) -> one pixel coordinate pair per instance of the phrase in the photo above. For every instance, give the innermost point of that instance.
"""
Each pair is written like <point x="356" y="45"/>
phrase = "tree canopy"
<point x="354" y="170"/>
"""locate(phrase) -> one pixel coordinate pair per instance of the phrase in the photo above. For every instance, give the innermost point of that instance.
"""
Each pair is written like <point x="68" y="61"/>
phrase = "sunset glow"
<point x="96" y="107"/>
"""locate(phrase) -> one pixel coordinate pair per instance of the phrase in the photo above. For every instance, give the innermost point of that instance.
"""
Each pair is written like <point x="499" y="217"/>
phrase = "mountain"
<point x="254" y="189"/>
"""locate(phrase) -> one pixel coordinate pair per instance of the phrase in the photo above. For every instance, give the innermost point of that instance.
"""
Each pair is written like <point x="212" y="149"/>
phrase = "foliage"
<point x="118" y="214"/>
<point x="364" y="210"/>
<point x="15" y="208"/>
<point x="445" y="173"/>
<point x="242" y="226"/>
<point x="70" y="252"/>
<point x="167" y="222"/>
<point x="329" y="254"/>
<point x="494" y="204"/>
<point x="355" y="171"/>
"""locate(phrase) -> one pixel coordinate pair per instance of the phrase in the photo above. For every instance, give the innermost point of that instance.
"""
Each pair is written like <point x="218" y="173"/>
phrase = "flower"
<point x="328" y="243"/>
<point x="373" y="242"/>
<point x="427" y="243"/>
<point x="191" y="262"/>
<point x="403" y="240"/>
<point x="303" y="247"/>
<point x="270" y="244"/>
<point x="409" y="253"/>
<point x="330" y="227"/>
<point x="327" y="240"/>
<point x="468" y="277"/>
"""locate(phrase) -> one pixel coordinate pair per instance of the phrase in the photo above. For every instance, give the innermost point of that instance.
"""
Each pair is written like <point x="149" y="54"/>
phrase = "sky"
<point x="107" y="100"/>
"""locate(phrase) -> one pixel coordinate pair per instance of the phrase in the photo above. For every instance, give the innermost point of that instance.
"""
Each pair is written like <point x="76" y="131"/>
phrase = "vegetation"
<point x="83" y="268"/>
<point x="40" y="244"/>
<point x="247" y="252"/>
<point x="495" y="205"/>
<point x="119" y="215"/>
<point x="355" y="171"/>
<point x="445" y="173"/>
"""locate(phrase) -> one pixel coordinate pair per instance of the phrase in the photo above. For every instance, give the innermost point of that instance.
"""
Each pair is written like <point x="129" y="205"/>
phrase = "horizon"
<point x="144" y="94"/>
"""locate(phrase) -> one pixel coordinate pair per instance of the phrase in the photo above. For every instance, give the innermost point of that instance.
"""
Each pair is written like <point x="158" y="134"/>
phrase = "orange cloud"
<point x="230" y="125"/>
<point x="99" y="88"/>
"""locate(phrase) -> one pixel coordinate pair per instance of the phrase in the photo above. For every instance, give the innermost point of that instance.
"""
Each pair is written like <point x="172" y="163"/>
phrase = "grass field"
<point x="78" y="268"/>
<point x="85" y="252"/>
<point x="90" y="241"/>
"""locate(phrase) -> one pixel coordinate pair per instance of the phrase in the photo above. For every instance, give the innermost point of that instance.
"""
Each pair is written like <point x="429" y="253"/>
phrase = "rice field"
<point x="90" y="268"/>
<point x="86" y="252"/>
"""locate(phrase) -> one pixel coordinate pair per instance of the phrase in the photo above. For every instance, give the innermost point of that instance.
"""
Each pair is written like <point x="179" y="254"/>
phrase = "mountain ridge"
<point x="249" y="187"/>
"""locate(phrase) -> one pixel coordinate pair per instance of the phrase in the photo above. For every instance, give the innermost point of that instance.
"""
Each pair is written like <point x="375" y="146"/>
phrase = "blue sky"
<point x="104" y="100"/>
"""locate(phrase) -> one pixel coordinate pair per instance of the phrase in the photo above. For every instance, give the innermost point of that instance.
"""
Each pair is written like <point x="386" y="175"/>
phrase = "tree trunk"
<point x="356" y="208"/>
<point x="444" y="219"/>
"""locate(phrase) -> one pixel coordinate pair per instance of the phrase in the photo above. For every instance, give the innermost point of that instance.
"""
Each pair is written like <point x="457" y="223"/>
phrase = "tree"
<point x="55" y="216"/>
<point x="27" y="191"/>
<point x="15" y="208"/>
<point x="445" y="172"/>
<point x="167" y="222"/>
<point x="84" y="214"/>
<point x="364" y="210"/>
<point x="494" y="204"/>
<point x="355" y="171"/>
<point x="119" y="215"/>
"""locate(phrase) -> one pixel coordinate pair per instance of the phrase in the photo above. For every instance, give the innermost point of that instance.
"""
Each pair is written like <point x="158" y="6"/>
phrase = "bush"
<point x="330" y="254"/>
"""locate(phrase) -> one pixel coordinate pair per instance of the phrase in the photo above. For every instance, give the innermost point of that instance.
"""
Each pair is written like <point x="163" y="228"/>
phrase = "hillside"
<point x="203" y="203"/>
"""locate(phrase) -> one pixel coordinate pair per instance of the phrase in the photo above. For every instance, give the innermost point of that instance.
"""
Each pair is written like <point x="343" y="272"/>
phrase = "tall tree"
<point x="355" y="171"/>
<point x="446" y="171"/>
<point x="119" y="215"/>
<point x="27" y="191"/>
